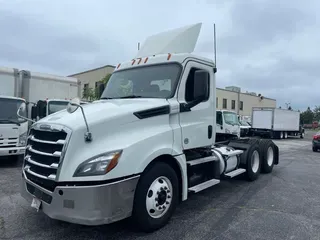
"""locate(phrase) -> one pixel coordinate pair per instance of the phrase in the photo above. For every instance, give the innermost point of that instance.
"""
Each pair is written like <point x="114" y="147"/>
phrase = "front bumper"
<point x="86" y="205"/>
<point x="12" y="151"/>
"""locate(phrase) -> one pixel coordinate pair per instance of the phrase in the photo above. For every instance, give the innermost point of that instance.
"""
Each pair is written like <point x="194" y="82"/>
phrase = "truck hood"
<point x="119" y="110"/>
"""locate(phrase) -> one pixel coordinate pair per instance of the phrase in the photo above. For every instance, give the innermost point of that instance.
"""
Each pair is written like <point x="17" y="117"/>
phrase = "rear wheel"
<point x="253" y="162"/>
<point x="314" y="149"/>
<point x="302" y="135"/>
<point x="267" y="155"/>
<point x="156" y="197"/>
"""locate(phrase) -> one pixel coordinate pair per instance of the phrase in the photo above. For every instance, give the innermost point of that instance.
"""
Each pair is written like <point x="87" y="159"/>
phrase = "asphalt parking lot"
<point x="282" y="205"/>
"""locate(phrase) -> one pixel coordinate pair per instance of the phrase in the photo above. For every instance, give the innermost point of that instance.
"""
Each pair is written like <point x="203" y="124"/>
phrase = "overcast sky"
<point x="265" y="46"/>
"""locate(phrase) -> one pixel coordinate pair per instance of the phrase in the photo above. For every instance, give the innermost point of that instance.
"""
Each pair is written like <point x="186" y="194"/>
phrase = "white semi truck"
<point x="141" y="149"/>
<point x="13" y="130"/>
<point x="275" y="123"/>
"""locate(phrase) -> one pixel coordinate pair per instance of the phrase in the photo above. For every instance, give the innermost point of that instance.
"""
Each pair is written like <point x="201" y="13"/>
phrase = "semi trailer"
<point x="139" y="150"/>
<point x="13" y="129"/>
<point x="275" y="123"/>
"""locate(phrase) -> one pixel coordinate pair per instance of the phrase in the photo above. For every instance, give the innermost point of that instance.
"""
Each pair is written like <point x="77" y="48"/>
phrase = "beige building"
<point x="231" y="98"/>
<point x="90" y="78"/>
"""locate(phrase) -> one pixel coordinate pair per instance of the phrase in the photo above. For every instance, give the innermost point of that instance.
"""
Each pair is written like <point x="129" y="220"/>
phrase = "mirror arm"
<point x="88" y="134"/>
<point x="186" y="107"/>
<point x="27" y="119"/>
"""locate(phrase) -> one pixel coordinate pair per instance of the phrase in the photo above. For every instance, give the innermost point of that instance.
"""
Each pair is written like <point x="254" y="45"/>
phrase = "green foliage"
<point x="308" y="116"/>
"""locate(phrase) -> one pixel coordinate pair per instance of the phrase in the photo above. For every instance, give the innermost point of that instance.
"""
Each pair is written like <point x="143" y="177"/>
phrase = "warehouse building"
<point x="229" y="98"/>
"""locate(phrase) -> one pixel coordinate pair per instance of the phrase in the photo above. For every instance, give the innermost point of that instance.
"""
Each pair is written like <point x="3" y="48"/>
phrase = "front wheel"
<point x="156" y="197"/>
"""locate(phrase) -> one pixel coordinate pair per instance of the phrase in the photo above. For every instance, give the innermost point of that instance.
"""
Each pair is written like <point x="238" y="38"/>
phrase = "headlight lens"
<point x="23" y="139"/>
<point x="98" y="165"/>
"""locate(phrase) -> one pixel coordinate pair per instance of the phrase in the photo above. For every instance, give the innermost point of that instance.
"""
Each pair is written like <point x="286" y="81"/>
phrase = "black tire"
<point x="302" y="135"/>
<point x="266" y="146"/>
<point x="251" y="174"/>
<point x="140" y="215"/>
<point x="314" y="149"/>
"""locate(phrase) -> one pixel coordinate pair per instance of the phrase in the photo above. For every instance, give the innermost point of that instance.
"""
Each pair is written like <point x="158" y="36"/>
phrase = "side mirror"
<point x="201" y="84"/>
<point x="41" y="108"/>
<point x="73" y="105"/>
<point x="34" y="112"/>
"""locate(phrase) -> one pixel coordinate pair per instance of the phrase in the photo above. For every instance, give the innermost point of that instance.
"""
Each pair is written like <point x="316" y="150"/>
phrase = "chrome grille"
<point x="44" y="153"/>
<point x="8" y="142"/>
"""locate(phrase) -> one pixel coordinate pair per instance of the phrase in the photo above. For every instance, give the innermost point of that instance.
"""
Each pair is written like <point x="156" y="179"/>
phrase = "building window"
<point x="233" y="104"/>
<point x="224" y="103"/>
<point x="217" y="105"/>
<point x="241" y="105"/>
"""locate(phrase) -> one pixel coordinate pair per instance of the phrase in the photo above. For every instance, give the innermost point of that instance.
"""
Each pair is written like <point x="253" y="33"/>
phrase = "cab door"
<point x="198" y="123"/>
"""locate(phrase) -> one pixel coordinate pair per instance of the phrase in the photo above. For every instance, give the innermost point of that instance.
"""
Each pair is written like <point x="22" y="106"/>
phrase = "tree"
<point x="307" y="116"/>
<point x="316" y="112"/>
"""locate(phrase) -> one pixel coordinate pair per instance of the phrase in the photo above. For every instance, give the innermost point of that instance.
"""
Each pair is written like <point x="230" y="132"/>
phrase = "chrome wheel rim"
<point x="159" y="197"/>
<point x="270" y="156"/>
<point x="255" y="161"/>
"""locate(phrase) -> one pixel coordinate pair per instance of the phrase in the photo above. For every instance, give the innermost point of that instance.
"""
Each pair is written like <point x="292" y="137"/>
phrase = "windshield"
<point x="231" y="118"/>
<point x="158" y="81"/>
<point x="9" y="108"/>
<point x="244" y="123"/>
<point x="55" y="106"/>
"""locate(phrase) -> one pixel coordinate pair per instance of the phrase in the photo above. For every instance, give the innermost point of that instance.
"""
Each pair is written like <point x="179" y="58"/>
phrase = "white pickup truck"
<point x="146" y="145"/>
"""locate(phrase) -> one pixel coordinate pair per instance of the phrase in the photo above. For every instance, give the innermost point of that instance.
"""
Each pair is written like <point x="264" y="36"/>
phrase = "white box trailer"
<point x="276" y="122"/>
<point x="43" y="90"/>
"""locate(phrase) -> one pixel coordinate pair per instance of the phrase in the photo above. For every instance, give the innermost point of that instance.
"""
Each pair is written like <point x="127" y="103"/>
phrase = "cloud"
<point x="268" y="47"/>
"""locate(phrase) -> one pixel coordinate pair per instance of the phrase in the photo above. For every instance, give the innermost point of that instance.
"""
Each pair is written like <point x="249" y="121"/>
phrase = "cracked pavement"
<point x="282" y="205"/>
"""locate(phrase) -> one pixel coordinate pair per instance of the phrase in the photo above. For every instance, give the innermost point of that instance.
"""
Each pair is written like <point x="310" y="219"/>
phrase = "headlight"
<point x="23" y="139"/>
<point x="98" y="165"/>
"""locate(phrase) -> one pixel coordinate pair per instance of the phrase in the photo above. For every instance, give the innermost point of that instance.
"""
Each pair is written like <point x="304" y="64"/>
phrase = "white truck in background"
<point x="228" y="126"/>
<point x="13" y="130"/>
<point x="141" y="150"/>
<point x="47" y="94"/>
<point x="275" y="123"/>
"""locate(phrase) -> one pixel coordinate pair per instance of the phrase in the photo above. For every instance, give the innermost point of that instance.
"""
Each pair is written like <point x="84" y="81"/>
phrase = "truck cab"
<point x="228" y="126"/>
<point x="13" y="130"/>
<point x="146" y="145"/>
<point x="47" y="107"/>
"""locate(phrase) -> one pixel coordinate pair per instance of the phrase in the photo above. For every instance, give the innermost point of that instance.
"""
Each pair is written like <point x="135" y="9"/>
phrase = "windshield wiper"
<point x="105" y="98"/>
<point x="9" y="121"/>
<point x="131" y="96"/>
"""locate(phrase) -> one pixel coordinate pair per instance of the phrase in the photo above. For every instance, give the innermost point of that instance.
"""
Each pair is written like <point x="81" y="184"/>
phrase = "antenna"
<point x="138" y="46"/>
<point x="215" y="48"/>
